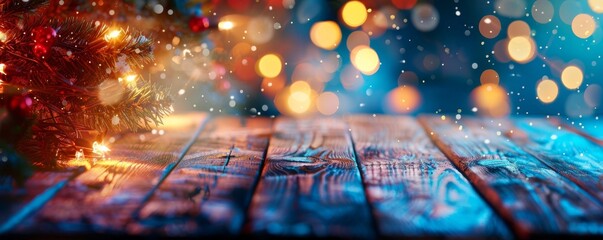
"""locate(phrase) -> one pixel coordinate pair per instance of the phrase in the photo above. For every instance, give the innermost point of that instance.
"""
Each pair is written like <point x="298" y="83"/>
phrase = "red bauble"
<point x="20" y="105"/>
<point x="44" y="35"/>
<point x="40" y="50"/>
<point x="198" y="24"/>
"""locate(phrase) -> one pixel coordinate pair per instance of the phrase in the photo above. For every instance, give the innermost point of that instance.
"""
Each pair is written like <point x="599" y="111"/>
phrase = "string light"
<point x="100" y="149"/>
<point x="79" y="154"/>
<point x="3" y="37"/>
<point x="2" y="68"/>
<point x="112" y="35"/>
<point x="225" y="25"/>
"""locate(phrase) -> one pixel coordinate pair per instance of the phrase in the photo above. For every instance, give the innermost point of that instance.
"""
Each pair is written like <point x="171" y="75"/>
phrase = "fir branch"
<point x="11" y="8"/>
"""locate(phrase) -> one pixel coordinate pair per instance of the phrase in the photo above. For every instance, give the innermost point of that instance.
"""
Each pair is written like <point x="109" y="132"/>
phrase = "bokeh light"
<point x="325" y="35"/>
<point x="353" y="13"/>
<point x="403" y="99"/>
<point x="365" y="59"/>
<point x="351" y="78"/>
<point x="568" y="10"/>
<point x="491" y="100"/>
<point x="547" y="91"/>
<point x="425" y="17"/>
<point x="489" y="26"/>
<point x="327" y="103"/>
<point x="510" y="8"/>
<point x="271" y="86"/>
<point x="356" y="39"/>
<point x="583" y="25"/>
<point x="593" y="95"/>
<point x="489" y="76"/>
<point x="596" y="5"/>
<point x="518" y="29"/>
<point x="572" y="77"/>
<point x="270" y="66"/>
<point x="521" y="49"/>
<point x="542" y="11"/>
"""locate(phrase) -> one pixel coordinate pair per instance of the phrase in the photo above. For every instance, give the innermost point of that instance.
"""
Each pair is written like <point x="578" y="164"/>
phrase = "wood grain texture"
<point x="566" y="152"/>
<point x="414" y="190"/>
<point x="535" y="199"/>
<point x="310" y="184"/>
<point x="590" y="128"/>
<point x="18" y="204"/>
<point x="102" y="199"/>
<point x="209" y="191"/>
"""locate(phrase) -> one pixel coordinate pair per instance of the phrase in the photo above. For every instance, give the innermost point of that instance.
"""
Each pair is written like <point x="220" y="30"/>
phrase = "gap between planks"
<point x="170" y="167"/>
<point x="44" y="197"/>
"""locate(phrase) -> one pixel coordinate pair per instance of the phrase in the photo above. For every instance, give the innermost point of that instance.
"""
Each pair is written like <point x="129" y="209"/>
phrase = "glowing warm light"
<point x="491" y="99"/>
<point x="365" y="59"/>
<point x="327" y="103"/>
<point x="354" y="13"/>
<point x="518" y="28"/>
<point x="572" y="77"/>
<point x="225" y="25"/>
<point x="299" y="102"/>
<point x="112" y="35"/>
<point x="596" y="5"/>
<point x="403" y="99"/>
<point x="131" y="78"/>
<point x="489" y="76"/>
<point x="300" y="86"/>
<point x="3" y="36"/>
<point x="583" y="25"/>
<point x="325" y="35"/>
<point x="80" y="154"/>
<point x="100" y="149"/>
<point x="547" y="91"/>
<point x="521" y="49"/>
<point x="2" y="68"/>
<point x="269" y="66"/>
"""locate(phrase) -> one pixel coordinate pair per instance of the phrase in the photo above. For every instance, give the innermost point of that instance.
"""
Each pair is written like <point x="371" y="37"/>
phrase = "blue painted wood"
<point x="310" y="185"/>
<point x="533" y="198"/>
<point x="568" y="153"/>
<point x="591" y="128"/>
<point x="209" y="191"/>
<point x="19" y="204"/>
<point x="414" y="190"/>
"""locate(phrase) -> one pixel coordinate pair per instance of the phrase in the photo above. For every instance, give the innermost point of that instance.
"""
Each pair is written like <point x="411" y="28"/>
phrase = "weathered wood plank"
<point x="18" y="204"/>
<point x="591" y="128"/>
<point x="102" y="199"/>
<point x="566" y="152"/>
<point x="535" y="199"/>
<point x="414" y="190"/>
<point x="310" y="184"/>
<point x="209" y="191"/>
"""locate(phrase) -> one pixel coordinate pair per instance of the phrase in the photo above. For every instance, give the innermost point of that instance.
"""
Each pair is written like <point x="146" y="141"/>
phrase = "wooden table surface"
<point x="360" y="176"/>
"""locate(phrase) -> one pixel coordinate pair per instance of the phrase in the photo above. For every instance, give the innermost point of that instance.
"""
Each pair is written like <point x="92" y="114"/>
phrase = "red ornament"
<point x="44" y="35"/>
<point x="20" y="105"/>
<point x="198" y="24"/>
<point x="40" y="50"/>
